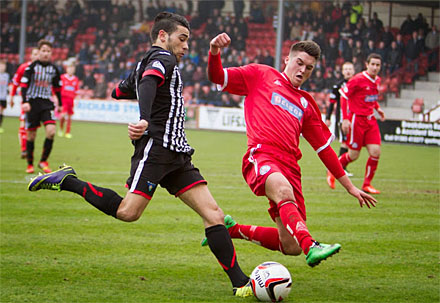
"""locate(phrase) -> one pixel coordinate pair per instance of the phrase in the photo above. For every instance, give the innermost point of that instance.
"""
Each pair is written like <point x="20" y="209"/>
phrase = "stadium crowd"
<point x="106" y="40"/>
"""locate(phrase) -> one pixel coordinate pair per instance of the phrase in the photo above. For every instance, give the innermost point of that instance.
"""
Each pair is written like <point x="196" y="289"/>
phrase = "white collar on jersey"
<point x="369" y="77"/>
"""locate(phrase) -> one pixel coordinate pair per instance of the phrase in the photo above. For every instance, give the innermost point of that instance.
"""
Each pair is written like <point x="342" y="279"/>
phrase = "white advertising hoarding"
<point x="222" y="118"/>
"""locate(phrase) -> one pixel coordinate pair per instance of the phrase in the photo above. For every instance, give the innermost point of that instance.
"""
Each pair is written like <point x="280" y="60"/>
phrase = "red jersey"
<point x="362" y="93"/>
<point x="276" y="113"/>
<point x="17" y="77"/>
<point x="70" y="86"/>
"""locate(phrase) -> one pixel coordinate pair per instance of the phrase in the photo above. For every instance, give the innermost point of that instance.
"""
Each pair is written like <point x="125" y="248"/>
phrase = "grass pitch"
<point x="57" y="248"/>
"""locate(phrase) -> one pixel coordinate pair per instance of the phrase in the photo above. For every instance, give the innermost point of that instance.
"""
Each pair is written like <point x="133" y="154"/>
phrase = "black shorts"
<point x="3" y="103"/>
<point x="152" y="164"/>
<point x="41" y="111"/>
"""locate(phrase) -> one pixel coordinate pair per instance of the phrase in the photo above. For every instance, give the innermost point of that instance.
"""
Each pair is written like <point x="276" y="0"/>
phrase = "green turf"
<point x="57" y="248"/>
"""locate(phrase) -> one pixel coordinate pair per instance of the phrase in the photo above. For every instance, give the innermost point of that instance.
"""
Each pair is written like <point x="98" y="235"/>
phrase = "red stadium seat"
<point x="417" y="106"/>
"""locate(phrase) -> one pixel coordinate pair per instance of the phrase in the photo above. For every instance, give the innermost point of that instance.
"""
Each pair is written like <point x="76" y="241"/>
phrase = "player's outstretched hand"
<point x="363" y="197"/>
<point x="135" y="131"/>
<point x="220" y="41"/>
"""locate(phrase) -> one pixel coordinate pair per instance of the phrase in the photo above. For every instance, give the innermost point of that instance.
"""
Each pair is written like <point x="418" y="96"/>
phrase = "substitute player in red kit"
<point x="276" y="113"/>
<point x="22" y="137"/>
<point x="68" y="94"/>
<point x="362" y="93"/>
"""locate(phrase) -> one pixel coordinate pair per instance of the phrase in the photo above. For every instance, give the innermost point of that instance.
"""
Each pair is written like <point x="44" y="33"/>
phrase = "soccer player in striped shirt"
<point x="41" y="78"/>
<point x="162" y="154"/>
<point x="277" y="111"/>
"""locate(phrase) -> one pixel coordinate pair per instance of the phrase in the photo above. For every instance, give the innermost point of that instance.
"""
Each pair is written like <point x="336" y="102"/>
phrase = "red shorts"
<point x="68" y="105"/>
<point x="364" y="130"/>
<point x="262" y="160"/>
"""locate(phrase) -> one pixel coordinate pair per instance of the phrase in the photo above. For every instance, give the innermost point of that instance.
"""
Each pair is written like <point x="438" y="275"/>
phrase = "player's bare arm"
<point x="345" y="127"/>
<point x="135" y="131"/>
<point x="26" y="107"/>
<point x="381" y="114"/>
<point x="362" y="197"/>
<point x="220" y="41"/>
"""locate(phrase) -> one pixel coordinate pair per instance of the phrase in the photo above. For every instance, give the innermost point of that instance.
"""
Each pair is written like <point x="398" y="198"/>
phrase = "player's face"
<point x="373" y="67"/>
<point x="2" y="67"/>
<point x="347" y="71"/>
<point x="177" y="42"/>
<point x="70" y="69"/>
<point x="34" y="54"/>
<point x="299" y="67"/>
<point x="45" y="53"/>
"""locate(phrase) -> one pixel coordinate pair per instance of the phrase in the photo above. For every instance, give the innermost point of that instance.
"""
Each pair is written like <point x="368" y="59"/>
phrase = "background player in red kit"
<point x="68" y="93"/>
<point x="276" y="113"/>
<point x="362" y="93"/>
<point x="22" y="137"/>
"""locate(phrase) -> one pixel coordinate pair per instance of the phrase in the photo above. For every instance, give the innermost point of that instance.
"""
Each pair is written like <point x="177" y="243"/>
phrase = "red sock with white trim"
<point x="370" y="170"/>
<point x="345" y="160"/>
<point x="266" y="237"/>
<point x="104" y="199"/>
<point x="295" y="225"/>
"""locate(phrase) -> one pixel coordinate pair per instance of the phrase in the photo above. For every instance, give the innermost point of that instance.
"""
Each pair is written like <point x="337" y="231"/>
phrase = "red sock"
<point x="69" y="122"/>
<point x="295" y="224"/>
<point x="22" y="137"/>
<point x="267" y="237"/>
<point x="345" y="159"/>
<point x="370" y="169"/>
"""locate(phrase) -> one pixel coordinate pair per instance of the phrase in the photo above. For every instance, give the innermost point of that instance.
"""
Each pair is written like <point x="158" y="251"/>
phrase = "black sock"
<point x="342" y="151"/>
<point x="30" y="152"/>
<point x="220" y="243"/>
<point x="47" y="147"/>
<point x="104" y="199"/>
<point x="1" y="119"/>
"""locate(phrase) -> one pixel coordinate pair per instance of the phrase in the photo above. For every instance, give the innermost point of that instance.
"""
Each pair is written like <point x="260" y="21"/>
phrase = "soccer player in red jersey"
<point x="277" y="111"/>
<point x="68" y="93"/>
<point x="15" y="84"/>
<point x="361" y="93"/>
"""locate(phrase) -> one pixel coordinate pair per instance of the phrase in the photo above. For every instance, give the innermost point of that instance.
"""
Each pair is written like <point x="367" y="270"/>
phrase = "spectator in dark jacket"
<point x="394" y="58"/>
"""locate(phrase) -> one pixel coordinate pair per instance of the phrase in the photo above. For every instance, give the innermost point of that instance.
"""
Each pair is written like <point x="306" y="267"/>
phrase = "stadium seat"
<point x="417" y="106"/>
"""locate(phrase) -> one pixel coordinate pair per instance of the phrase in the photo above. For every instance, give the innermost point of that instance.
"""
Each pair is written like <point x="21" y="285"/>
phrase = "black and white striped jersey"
<point x="167" y="117"/>
<point x="39" y="79"/>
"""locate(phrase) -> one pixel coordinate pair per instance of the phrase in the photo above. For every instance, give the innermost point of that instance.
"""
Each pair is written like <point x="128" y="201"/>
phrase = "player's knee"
<point x="128" y="215"/>
<point x="285" y="193"/>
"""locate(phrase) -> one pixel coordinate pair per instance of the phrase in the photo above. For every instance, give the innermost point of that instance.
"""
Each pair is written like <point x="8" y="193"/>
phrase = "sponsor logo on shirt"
<point x="371" y="98"/>
<point x="304" y="102"/>
<point x="285" y="104"/>
<point x="277" y="82"/>
<point x="159" y="66"/>
<point x="264" y="169"/>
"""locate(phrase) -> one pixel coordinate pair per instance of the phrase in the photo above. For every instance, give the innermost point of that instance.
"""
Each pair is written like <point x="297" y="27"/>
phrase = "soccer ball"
<point x="271" y="281"/>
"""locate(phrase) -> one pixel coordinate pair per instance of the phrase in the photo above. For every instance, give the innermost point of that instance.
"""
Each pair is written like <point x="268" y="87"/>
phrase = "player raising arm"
<point x="277" y="111"/>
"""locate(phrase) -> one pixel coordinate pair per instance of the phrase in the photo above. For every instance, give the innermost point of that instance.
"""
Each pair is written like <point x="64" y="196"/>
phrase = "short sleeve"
<point x="160" y="65"/>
